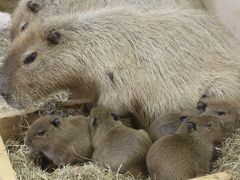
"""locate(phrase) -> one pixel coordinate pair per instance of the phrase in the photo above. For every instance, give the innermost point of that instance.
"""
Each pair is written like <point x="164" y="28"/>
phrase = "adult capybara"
<point x="160" y="61"/>
<point x="29" y="10"/>
<point x="62" y="140"/>
<point x="116" y="145"/>
<point x="187" y="153"/>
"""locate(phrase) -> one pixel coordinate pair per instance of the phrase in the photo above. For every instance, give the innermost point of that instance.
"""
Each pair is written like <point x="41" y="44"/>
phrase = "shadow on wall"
<point x="8" y="5"/>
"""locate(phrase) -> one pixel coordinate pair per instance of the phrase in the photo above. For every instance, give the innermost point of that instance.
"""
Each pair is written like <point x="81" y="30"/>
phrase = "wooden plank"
<point x="6" y="170"/>
<point x="10" y="120"/>
<point x="217" y="176"/>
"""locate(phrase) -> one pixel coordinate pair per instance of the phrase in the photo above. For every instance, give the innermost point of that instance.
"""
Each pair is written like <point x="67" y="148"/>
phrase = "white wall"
<point x="4" y="21"/>
<point x="228" y="11"/>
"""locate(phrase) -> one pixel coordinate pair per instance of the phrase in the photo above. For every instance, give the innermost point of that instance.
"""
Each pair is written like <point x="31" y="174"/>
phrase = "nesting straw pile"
<point x="28" y="166"/>
<point x="230" y="160"/>
<point x="25" y="166"/>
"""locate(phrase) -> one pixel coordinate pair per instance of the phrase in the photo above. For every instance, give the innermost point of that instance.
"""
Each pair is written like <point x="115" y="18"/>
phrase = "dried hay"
<point x="230" y="160"/>
<point x="24" y="163"/>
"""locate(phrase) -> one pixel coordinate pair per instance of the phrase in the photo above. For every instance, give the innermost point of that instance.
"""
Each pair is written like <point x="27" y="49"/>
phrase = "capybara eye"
<point x="221" y="113"/>
<point x="94" y="123"/>
<point x="182" y="118"/>
<point x="24" y="27"/>
<point x="191" y="127"/>
<point x="201" y="107"/>
<point x="41" y="132"/>
<point x="114" y="116"/>
<point x="30" y="58"/>
<point x="56" y="122"/>
<point x="33" y="7"/>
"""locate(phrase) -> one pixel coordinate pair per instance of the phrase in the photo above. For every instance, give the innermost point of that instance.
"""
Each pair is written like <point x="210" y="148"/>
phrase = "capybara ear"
<point x="52" y="36"/>
<point x="33" y="7"/>
<point x="56" y="122"/>
<point x="201" y="107"/>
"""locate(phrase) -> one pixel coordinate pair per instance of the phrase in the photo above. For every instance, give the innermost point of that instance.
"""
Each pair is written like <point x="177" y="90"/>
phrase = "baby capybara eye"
<point x="30" y="58"/>
<point x="24" y="27"/>
<point x="56" y="122"/>
<point x="221" y="113"/>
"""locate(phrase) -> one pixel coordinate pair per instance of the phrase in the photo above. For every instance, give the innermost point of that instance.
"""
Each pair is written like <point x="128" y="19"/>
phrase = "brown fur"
<point x="226" y="112"/>
<point x="187" y="153"/>
<point x="69" y="143"/>
<point x="118" y="146"/>
<point x="160" y="60"/>
<point x="168" y="123"/>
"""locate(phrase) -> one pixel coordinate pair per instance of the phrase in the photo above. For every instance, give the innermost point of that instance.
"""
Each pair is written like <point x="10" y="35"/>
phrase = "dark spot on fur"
<point x="52" y="36"/>
<point x="110" y="75"/>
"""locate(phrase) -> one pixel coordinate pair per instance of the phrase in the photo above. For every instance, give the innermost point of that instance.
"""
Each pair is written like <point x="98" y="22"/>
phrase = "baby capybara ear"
<point x="201" y="107"/>
<point x="52" y="36"/>
<point x="33" y="7"/>
<point x="191" y="127"/>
